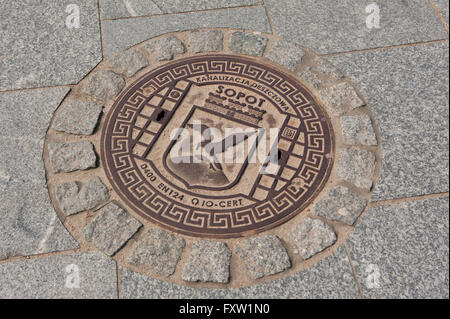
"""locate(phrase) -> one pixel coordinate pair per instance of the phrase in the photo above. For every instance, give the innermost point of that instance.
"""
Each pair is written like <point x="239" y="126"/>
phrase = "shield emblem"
<point x="213" y="145"/>
<point x="212" y="152"/>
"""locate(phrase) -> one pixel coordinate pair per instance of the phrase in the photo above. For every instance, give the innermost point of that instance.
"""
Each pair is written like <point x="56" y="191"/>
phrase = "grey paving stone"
<point x="85" y="275"/>
<point x="358" y="129"/>
<point x="128" y="63"/>
<point x="402" y="251"/>
<point x="78" y="117"/>
<point x="357" y="166"/>
<point x="21" y="159"/>
<point x="72" y="199"/>
<point x="264" y="256"/>
<point x="322" y="73"/>
<point x="408" y="93"/>
<point x="324" y="68"/>
<point x="329" y="26"/>
<point x="340" y="204"/>
<point x="442" y="6"/>
<point x="111" y="228"/>
<point x="67" y="197"/>
<point x="165" y="47"/>
<point x="331" y="278"/>
<point x="68" y="157"/>
<point x="247" y="43"/>
<point x="29" y="223"/>
<point x="209" y="261"/>
<point x="121" y="34"/>
<point x="4" y="180"/>
<point x="311" y="236"/>
<point x="308" y="75"/>
<point x="93" y="193"/>
<point x="205" y="41"/>
<point x="104" y="85"/>
<point x="112" y="9"/>
<point x="340" y="98"/>
<point x="28" y="114"/>
<point x="286" y="54"/>
<point x="117" y="8"/>
<point x="37" y="49"/>
<point x="136" y="286"/>
<point x="158" y="251"/>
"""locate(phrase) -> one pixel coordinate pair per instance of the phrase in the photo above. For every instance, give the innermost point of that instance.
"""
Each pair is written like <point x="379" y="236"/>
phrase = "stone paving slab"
<point x="209" y="261"/>
<point x="442" y="6"/>
<point x="311" y="236"/>
<point x="158" y="251"/>
<point x="407" y="90"/>
<point x="247" y="43"/>
<point x="205" y="41"/>
<point x="111" y="228"/>
<point x="69" y="157"/>
<point x="78" y="117"/>
<point x="136" y="286"/>
<point x="340" y="204"/>
<point x="73" y="198"/>
<point x="121" y="34"/>
<point x="131" y="8"/>
<point x="85" y="275"/>
<point x="21" y="159"/>
<point x="164" y="48"/>
<point x="37" y="49"/>
<point x="402" y="251"/>
<point x="286" y="54"/>
<point x="264" y="256"/>
<point x="27" y="114"/>
<point x="330" y="278"/>
<point x="358" y="130"/>
<point x="335" y="26"/>
<point x="29" y="223"/>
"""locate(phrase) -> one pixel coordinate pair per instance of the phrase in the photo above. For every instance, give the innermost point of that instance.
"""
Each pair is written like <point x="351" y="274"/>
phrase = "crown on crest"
<point x="233" y="109"/>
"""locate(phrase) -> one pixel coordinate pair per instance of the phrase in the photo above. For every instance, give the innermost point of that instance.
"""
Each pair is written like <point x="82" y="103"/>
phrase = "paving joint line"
<point x="269" y="18"/>
<point x="118" y="280"/>
<point x="184" y="12"/>
<point x="407" y="199"/>
<point x="355" y="275"/>
<point x="439" y="14"/>
<point x="38" y="88"/>
<point x="101" y="27"/>
<point x="396" y="46"/>
<point x="12" y="259"/>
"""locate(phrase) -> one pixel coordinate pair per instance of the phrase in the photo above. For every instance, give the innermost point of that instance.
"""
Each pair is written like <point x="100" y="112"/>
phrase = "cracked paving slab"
<point x="29" y="225"/>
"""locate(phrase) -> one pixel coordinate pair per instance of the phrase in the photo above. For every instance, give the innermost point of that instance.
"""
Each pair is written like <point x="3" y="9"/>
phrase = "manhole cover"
<point x="216" y="156"/>
<point x="217" y="145"/>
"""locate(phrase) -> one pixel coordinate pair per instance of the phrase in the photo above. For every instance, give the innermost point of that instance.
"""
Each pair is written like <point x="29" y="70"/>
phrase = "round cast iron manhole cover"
<point x="217" y="146"/>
